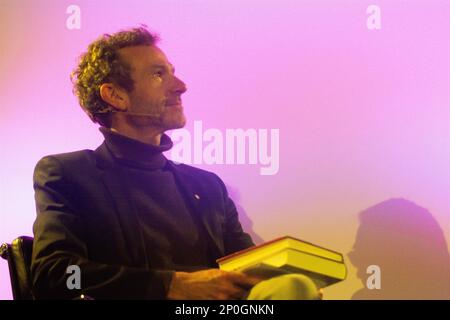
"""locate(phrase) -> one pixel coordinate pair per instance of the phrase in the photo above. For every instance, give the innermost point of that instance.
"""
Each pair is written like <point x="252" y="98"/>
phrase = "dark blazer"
<point x="85" y="218"/>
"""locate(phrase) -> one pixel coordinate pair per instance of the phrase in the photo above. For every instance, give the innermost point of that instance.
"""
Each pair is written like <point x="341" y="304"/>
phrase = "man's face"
<point x="157" y="90"/>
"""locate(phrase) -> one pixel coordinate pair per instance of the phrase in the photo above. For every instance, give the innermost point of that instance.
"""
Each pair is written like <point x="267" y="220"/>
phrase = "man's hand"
<point x="210" y="284"/>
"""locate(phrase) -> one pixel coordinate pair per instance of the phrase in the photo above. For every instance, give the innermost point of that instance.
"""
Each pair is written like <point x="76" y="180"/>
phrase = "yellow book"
<point x="288" y="255"/>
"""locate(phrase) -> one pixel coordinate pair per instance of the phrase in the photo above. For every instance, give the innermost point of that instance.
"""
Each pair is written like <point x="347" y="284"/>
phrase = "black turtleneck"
<point x="174" y="239"/>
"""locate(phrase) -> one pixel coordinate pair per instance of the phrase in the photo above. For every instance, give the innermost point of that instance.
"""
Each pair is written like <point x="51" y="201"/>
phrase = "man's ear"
<point x="115" y="96"/>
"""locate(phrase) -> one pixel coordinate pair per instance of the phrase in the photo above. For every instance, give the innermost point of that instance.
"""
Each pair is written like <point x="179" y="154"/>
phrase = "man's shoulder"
<point x="68" y="167"/>
<point x="73" y="159"/>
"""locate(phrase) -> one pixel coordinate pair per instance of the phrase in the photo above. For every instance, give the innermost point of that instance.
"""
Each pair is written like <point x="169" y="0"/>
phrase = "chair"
<point x="18" y="255"/>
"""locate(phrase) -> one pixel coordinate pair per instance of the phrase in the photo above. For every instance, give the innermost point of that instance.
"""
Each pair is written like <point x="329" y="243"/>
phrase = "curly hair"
<point x="101" y="64"/>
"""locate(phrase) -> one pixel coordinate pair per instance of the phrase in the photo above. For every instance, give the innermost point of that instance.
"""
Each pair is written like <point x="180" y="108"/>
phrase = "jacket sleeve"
<point x="59" y="242"/>
<point x="235" y="238"/>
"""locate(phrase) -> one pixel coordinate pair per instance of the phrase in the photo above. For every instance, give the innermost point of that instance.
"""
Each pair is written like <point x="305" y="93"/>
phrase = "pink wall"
<point x="363" y="115"/>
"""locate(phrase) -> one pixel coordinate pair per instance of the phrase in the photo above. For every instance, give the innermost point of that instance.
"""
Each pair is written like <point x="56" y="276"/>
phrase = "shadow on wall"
<point x="246" y="223"/>
<point x="408" y="245"/>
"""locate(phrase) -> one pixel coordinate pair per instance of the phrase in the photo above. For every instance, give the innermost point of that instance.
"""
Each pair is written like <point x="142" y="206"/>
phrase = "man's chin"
<point x="178" y="124"/>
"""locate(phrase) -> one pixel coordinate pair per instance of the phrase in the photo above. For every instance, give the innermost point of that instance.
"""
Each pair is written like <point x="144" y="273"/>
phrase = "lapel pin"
<point x="196" y="196"/>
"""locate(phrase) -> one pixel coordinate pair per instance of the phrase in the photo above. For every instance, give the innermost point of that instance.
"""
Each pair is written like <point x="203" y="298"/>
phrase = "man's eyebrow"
<point x="162" y="66"/>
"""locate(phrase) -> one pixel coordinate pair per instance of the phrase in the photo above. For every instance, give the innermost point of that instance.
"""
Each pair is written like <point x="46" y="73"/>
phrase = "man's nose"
<point x="179" y="86"/>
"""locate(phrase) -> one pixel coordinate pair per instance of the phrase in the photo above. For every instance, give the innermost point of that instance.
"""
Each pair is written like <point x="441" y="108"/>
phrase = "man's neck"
<point x="144" y="134"/>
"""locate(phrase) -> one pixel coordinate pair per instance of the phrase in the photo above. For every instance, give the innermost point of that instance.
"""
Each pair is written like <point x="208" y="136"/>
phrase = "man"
<point x="136" y="224"/>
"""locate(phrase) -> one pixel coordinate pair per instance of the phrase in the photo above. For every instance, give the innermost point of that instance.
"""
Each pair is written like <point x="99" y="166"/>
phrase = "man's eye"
<point x="158" y="73"/>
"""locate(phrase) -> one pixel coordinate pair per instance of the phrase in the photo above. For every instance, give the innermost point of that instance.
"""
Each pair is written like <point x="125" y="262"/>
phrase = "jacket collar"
<point x="136" y="153"/>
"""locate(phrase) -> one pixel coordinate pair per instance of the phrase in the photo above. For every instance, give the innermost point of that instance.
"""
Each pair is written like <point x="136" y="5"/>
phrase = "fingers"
<point x="224" y="285"/>
<point x="234" y="293"/>
<point x="243" y="280"/>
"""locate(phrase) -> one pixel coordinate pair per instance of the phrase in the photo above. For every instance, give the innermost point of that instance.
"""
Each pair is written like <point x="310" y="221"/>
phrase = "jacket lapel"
<point x="116" y="180"/>
<point x="197" y="200"/>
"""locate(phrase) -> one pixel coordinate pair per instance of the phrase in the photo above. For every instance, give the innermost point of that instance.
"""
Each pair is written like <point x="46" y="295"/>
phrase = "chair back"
<point x="18" y="255"/>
